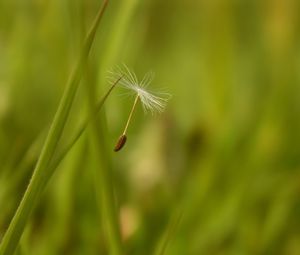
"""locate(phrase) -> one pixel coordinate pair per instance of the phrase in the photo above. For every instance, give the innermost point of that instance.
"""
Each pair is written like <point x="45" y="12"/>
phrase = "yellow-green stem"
<point x="131" y="114"/>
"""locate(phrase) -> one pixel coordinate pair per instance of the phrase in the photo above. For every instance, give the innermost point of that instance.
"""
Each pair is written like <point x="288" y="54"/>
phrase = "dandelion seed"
<point x="151" y="102"/>
<point x="121" y="142"/>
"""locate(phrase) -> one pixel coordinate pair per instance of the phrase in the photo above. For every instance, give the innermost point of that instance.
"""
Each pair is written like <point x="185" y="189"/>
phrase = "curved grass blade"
<point x="82" y="128"/>
<point x="40" y="176"/>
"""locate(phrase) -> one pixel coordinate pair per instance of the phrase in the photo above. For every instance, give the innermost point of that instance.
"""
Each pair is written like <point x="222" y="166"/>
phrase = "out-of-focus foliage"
<point x="226" y="152"/>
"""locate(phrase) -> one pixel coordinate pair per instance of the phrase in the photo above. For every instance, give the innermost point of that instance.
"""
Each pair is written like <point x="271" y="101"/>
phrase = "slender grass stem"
<point x="104" y="181"/>
<point x="168" y="234"/>
<point x="40" y="176"/>
<point x="105" y="193"/>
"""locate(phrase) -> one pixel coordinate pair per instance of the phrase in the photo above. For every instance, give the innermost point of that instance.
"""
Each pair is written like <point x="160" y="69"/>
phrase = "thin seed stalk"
<point x="131" y="114"/>
<point x="123" y="138"/>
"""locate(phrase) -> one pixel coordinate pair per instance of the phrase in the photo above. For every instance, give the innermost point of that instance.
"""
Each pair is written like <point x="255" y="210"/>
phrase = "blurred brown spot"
<point x="196" y="141"/>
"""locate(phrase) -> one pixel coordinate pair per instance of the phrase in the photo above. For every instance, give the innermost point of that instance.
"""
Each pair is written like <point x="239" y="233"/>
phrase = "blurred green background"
<point x="226" y="152"/>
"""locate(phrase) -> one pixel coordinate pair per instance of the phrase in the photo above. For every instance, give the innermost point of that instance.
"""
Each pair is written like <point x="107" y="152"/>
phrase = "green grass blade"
<point x="168" y="234"/>
<point x="39" y="178"/>
<point x="103" y="178"/>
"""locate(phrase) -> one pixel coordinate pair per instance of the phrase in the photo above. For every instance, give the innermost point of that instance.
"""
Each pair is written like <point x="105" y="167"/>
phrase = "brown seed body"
<point x="121" y="142"/>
